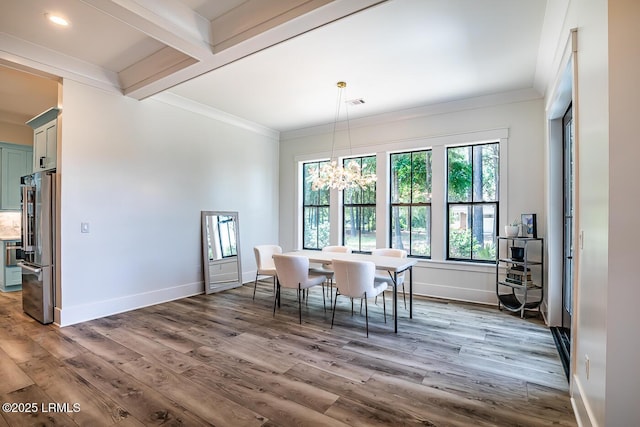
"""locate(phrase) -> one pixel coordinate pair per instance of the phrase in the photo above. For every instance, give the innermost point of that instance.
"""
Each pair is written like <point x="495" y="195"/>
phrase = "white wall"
<point x="436" y="126"/>
<point x="605" y="389"/>
<point x="623" y="290"/>
<point x="140" y="172"/>
<point x="592" y="207"/>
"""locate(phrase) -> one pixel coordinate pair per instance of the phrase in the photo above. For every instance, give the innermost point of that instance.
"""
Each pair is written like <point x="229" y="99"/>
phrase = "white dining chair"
<point x="264" y="262"/>
<point x="293" y="272"/>
<point x="387" y="276"/>
<point x="326" y="269"/>
<point x="356" y="279"/>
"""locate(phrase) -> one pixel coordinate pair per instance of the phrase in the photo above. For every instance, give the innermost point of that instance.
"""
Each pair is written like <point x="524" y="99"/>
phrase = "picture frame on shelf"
<point x="529" y="226"/>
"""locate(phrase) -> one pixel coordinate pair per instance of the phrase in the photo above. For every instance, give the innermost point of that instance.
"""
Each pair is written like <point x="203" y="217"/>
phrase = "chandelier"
<point x="334" y="175"/>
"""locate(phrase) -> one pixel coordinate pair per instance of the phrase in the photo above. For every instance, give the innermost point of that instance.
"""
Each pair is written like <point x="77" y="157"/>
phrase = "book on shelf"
<point x="519" y="281"/>
<point x="519" y="278"/>
<point x="519" y="274"/>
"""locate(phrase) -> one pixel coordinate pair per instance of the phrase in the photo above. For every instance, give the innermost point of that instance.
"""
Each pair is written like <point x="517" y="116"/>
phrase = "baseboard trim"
<point x="67" y="316"/>
<point x="581" y="409"/>
<point x="454" y="293"/>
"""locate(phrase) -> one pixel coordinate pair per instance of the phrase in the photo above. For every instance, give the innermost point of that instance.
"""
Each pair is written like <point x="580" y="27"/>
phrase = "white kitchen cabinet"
<point x="10" y="276"/>
<point x="15" y="162"/>
<point x="45" y="139"/>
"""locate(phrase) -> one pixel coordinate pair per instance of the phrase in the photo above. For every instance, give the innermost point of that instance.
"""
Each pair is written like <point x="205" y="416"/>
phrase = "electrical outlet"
<point x="586" y="365"/>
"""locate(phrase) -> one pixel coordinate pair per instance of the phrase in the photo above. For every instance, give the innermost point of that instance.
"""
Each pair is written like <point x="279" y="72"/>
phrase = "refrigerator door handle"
<point x="29" y="268"/>
<point x="27" y="213"/>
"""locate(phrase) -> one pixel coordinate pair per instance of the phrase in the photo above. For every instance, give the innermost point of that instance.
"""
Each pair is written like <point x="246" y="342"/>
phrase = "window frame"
<point x="472" y="204"/>
<point x="359" y="206"/>
<point x="315" y="206"/>
<point x="411" y="204"/>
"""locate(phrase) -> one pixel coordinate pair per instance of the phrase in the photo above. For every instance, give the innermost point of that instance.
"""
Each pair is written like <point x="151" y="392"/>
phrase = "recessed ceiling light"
<point x="57" y="19"/>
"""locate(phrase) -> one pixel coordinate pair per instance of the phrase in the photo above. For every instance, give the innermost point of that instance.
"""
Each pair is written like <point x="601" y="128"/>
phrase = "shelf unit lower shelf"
<point x="512" y="303"/>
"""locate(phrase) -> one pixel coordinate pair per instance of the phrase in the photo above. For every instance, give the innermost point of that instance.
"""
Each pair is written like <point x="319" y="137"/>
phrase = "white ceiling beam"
<point x="168" y="21"/>
<point x="23" y="53"/>
<point x="163" y="63"/>
<point x="256" y="16"/>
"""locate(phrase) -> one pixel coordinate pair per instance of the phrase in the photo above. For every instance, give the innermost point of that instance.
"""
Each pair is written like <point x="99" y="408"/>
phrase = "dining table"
<point x="394" y="265"/>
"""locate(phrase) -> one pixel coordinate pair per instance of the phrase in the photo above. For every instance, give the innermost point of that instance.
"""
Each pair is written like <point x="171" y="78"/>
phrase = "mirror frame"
<point x="210" y="287"/>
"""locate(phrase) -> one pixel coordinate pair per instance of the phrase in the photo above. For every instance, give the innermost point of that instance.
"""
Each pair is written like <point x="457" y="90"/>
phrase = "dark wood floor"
<point x="224" y="360"/>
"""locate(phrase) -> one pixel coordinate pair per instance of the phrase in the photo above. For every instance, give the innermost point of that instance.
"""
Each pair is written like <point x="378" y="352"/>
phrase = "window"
<point x="359" y="210"/>
<point x="472" y="201"/>
<point x="315" y="209"/>
<point x="411" y="202"/>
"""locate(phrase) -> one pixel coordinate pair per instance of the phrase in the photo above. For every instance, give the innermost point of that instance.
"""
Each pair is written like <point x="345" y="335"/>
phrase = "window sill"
<point x="457" y="265"/>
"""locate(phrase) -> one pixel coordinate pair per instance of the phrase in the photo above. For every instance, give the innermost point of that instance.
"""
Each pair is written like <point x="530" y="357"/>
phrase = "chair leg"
<point x="333" y="316"/>
<point x="404" y="297"/>
<point x="299" y="305"/>
<point x="324" y="304"/>
<point x="384" y="307"/>
<point x="330" y="289"/>
<point x="352" y="306"/>
<point x="366" y="313"/>
<point x="278" y="290"/>
<point x="255" y="284"/>
<point x="275" y="300"/>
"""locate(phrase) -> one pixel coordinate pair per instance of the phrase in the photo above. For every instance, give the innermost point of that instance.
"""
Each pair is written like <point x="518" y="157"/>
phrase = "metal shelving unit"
<point x="520" y="281"/>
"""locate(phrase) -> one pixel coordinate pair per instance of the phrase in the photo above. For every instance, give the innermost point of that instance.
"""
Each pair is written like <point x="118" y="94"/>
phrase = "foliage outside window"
<point x="359" y="210"/>
<point x="472" y="201"/>
<point x="411" y="181"/>
<point x="315" y="209"/>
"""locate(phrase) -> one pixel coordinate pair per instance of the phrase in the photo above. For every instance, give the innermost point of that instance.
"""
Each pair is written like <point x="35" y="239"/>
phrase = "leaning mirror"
<point x="220" y="251"/>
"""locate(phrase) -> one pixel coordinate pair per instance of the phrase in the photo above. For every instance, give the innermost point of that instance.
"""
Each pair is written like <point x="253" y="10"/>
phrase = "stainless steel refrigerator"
<point x="38" y="243"/>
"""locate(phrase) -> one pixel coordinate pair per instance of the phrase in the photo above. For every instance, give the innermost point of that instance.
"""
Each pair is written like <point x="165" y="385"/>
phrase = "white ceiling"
<point x="276" y="62"/>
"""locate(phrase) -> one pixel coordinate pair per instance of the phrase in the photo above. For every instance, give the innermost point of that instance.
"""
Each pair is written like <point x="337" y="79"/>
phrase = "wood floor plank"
<point x="150" y="349"/>
<point x="59" y="345"/>
<point x="215" y="409"/>
<point x="237" y="370"/>
<point x="63" y="385"/>
<point x="38" y="414"/>
<point x="98" y="344"/>
<point x="141" y="401"/>
<point x="13" y="378"/>
<point x="278" y="409"/>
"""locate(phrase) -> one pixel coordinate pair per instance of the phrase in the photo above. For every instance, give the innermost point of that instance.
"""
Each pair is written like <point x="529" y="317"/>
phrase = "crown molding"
<point x="424" y="111"/>
<point x="213" y="113"/>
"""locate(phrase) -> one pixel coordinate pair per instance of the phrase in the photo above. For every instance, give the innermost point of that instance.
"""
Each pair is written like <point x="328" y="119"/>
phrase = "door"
<point x="568" y="212"/>
<point x="45" y="146"/>
<point x="14" y="165"/>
